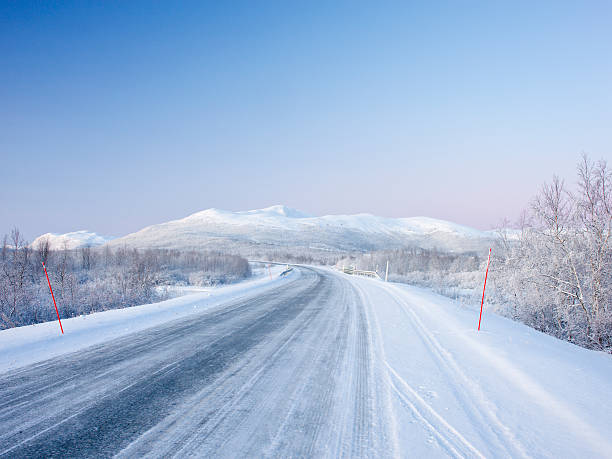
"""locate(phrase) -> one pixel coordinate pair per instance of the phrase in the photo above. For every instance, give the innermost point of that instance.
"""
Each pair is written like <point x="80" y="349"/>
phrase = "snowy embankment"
<point x="507" y="390"/>
<point x="34" y="343"/>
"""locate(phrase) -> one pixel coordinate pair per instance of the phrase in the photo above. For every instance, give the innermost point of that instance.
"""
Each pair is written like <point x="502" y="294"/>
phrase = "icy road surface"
<point x="322" y="365"/>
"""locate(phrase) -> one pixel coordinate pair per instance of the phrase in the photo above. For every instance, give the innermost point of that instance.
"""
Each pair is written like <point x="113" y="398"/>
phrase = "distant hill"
<point x="282" y="227"/>
<point x="74" y="240"/>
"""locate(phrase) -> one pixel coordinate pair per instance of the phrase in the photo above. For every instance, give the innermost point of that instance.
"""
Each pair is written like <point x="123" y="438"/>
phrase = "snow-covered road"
<point x="320" y="365"/>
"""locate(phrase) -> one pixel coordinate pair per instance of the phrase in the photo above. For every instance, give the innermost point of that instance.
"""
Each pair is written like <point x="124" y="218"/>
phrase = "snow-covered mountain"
<point x="74" y="240"/>
<point x="282" y="227"/>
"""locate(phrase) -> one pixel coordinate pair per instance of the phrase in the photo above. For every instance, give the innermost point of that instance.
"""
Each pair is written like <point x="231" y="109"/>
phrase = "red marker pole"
<point x="483" y="289"/>
<point x="53" y="296"/>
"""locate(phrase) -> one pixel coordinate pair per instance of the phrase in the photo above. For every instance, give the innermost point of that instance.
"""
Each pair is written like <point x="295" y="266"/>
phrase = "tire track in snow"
<point x="358" y="399"/>
<point x="448" y="437"/>
<point x="340" y="427"/>
<point x="381" y="391"/>
<point x="475" y="403"/>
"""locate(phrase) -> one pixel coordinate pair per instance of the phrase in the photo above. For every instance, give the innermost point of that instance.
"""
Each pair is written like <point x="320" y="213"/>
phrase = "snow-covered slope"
<point x="73" y="240"/>
<point x="280" y="226"/>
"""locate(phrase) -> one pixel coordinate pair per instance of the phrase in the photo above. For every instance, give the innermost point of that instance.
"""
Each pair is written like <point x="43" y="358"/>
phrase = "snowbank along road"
<point x="324" y="365"/>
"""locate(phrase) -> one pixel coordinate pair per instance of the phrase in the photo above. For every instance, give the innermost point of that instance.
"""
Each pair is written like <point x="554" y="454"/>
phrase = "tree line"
<point x="451" y="274"/>
<point x="89" y="279"/>
<point x="557" y="277"/>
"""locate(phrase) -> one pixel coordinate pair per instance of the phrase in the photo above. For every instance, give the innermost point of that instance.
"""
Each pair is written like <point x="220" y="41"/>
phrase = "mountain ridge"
<point x="281" y="226"/>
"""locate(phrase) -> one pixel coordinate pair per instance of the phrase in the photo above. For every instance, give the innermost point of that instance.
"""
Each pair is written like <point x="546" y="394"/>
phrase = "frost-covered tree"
<point x="87" y="280"/>
<point x="558" y="277"/>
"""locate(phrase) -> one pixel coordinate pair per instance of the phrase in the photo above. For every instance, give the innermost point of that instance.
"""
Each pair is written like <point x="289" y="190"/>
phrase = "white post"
<point x="387" y="272"/>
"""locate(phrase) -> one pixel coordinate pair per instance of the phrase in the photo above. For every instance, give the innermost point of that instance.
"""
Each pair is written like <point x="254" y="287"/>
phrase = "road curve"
<point x="286" y="373"/>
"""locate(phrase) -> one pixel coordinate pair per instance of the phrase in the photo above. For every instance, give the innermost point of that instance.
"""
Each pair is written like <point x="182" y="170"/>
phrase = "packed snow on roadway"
<point x="446" y="389"/>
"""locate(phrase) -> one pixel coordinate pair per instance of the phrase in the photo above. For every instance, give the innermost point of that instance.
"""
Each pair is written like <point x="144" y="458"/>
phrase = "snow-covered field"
<point x="314" y="364"/>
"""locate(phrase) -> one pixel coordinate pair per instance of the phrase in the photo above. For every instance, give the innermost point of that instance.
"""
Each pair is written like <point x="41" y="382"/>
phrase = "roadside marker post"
<point x="53" y="296"/>
<point x="483" y="289"/>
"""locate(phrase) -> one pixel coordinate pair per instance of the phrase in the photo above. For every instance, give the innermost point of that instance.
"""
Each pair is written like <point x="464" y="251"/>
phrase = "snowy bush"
<point x="88" y="280"/>
<point x="558" y="277"/>
<point x="455" y="275"/>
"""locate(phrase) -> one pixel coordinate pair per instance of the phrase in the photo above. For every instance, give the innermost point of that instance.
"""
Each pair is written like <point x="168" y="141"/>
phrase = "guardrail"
<point x="359" y="272"/>
<point x="267" y="264"/>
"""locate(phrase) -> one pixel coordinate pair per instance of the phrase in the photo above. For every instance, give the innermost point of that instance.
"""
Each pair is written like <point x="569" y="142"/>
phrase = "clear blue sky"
<point x="116" y="115"/>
